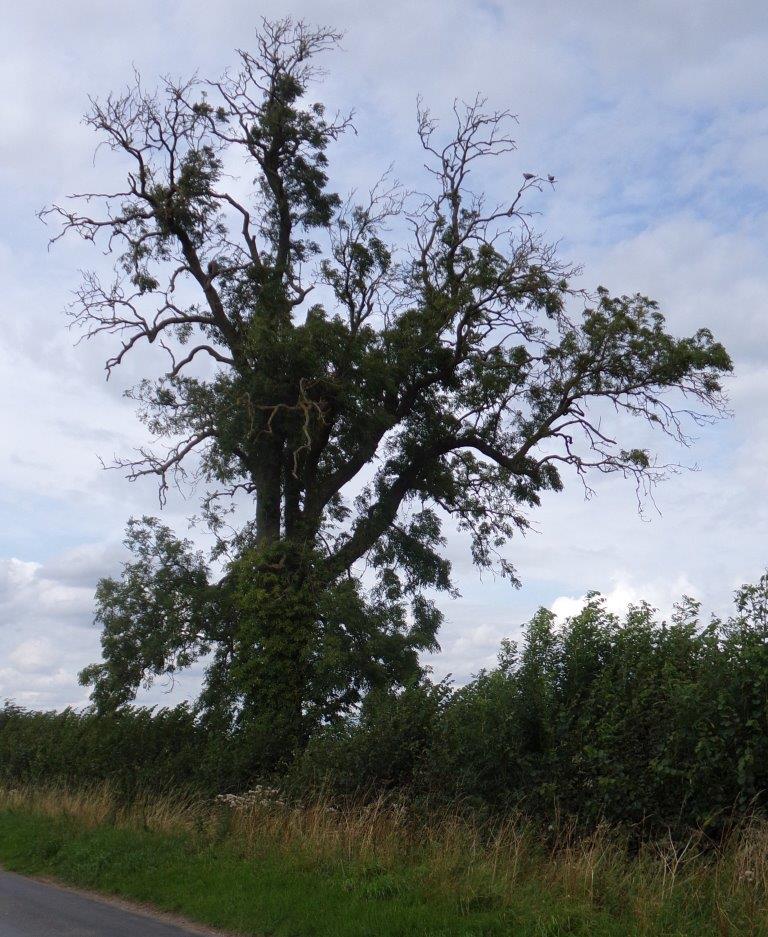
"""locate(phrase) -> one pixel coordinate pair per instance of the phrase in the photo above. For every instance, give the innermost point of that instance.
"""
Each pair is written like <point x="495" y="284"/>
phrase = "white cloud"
<point x="661" y="596"/>
<point x="45" y="635"/>
<point x="37" y="655"/>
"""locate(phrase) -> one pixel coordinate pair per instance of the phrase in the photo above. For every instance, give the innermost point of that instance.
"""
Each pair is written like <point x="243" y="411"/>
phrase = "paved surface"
<point x="33" y="909"/>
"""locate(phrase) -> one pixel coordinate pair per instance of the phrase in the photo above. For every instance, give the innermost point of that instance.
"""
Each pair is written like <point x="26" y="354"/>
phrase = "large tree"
<point x="353" y="393"/>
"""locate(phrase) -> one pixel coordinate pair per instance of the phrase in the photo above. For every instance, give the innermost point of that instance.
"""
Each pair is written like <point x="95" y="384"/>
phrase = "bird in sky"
<point x="529" y="175"/>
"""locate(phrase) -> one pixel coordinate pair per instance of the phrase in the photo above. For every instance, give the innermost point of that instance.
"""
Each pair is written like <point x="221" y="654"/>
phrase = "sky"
<point x="654" y="119"/>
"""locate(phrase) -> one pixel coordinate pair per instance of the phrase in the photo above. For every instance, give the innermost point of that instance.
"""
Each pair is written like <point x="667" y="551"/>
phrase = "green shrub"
<point x="631" y="720"/>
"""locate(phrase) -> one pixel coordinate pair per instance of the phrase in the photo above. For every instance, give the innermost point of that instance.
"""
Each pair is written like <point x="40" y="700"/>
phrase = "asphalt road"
<point x="34" y="909"/>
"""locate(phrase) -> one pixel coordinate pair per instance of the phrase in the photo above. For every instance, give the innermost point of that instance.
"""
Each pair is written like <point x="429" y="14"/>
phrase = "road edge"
<point x="143" y="909"/>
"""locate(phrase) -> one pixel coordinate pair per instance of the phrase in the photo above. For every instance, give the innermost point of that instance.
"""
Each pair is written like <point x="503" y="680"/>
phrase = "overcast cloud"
<point x="654" y="119"/>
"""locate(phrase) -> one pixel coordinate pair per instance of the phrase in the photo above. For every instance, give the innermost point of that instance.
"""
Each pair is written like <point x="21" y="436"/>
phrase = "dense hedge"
<point x="134" y="749"/>
<point x="630" y="720"/>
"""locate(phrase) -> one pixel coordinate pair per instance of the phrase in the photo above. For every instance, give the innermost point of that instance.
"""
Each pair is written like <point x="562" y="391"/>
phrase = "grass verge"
<point x="267" y="869"/>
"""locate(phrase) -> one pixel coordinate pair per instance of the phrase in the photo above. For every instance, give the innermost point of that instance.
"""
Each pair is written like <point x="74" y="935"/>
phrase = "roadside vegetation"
<point x="257" y="865"/>
<point x="607" y="777"/>
<point x="645" y="724"/>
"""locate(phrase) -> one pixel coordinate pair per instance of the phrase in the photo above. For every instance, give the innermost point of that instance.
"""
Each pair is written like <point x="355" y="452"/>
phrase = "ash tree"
<point x="346" y="394"/>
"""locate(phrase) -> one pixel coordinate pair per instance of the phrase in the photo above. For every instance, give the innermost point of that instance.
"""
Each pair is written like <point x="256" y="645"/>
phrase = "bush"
<point x="635" y="721"/>
<point x="134" y="749"/>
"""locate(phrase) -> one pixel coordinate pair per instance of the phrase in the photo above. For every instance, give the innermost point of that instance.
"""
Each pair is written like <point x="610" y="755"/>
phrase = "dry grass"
<point x="486" y="864"/>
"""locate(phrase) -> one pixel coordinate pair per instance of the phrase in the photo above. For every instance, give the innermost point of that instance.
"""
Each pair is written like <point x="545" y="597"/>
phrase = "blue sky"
<point x="654" y="119"/>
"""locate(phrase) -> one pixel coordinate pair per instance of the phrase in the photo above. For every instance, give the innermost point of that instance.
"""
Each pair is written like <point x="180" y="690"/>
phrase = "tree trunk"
<point x="272" y="668"/>
<point x="268" y="492"/>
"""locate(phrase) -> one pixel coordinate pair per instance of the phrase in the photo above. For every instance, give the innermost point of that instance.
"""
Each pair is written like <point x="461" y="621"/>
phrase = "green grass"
<point x="264" y="879"/>
<point x="265" y="895"/>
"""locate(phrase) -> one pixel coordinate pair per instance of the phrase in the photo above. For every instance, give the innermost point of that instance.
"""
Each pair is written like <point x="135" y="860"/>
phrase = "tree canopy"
<point x="355" y="389"/>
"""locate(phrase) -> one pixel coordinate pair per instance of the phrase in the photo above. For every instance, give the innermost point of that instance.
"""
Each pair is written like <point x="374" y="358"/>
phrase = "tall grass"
<point x="547" y="880"/>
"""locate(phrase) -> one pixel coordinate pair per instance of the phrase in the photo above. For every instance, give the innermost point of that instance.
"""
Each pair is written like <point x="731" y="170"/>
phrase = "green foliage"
<point x="160" y="616"/>
<point x="389" y="745"/>
<point x="284" y="654"/>
<point x="133" y="749"/>
<point x="633" y="720"/>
